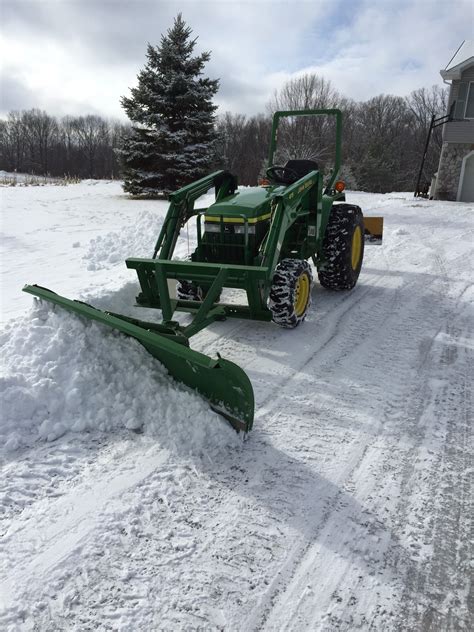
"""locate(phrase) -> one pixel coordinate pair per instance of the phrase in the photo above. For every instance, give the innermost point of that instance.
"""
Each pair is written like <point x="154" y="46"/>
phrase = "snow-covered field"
<point x="126" y="504"/>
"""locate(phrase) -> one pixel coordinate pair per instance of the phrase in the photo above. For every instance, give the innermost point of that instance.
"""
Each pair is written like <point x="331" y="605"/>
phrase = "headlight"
<point x="236" y="229"/>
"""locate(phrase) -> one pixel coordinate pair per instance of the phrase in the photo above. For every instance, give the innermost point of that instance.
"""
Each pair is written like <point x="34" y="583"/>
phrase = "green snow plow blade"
<point x="224" y="384"/>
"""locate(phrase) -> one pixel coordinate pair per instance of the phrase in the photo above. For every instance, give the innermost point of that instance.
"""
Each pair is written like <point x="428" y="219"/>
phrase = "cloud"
<point x="396" y="50"/>
<point x="78" y="56"/>
<point x="13" y="92"/>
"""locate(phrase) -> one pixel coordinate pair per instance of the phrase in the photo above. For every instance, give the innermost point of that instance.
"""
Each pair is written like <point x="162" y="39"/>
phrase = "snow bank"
<point x="138" y="238"/>
<point x="135" y="240"/>
<point x="63" y="374"/>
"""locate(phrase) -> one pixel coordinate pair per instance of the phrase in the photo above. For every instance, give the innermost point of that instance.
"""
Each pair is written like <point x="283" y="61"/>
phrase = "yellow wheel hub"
<point x="301" y="294"/>
<point x="356" y="248"/>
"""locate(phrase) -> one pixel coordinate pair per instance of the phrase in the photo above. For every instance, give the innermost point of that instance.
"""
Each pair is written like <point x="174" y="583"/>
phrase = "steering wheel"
<point x="285" y="175"/>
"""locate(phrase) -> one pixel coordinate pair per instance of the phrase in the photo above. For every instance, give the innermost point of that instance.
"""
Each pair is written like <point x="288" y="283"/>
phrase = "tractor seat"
<point x="302" y="167"/>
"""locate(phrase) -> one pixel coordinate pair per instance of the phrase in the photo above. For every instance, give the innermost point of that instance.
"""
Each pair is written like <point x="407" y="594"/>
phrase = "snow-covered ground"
<point x="126" y="504"/>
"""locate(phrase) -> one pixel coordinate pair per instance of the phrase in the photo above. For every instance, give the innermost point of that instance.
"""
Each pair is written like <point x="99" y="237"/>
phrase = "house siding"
<point x="461" y="131"/>
<point x="467" y="75"/>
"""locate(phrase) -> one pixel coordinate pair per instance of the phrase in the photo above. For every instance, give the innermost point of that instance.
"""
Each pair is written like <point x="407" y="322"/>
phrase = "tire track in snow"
<point x="435" y="594"/>
<point x="395" y="404"/>
<point x="299" y="553"/>
<point x="311" y="554"/>
<point x="336" y="324"/>
<point x="27" y="481"/>
<point x="68" y="520"/>
<point x="339" y="623"/>
<point x="349" y="338"/>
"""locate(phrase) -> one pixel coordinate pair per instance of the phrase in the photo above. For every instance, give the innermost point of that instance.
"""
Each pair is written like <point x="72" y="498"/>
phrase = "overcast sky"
<point x="80" y="56"/>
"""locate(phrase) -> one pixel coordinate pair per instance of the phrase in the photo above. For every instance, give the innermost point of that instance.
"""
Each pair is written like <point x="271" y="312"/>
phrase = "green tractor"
<point x="257" y="239"/>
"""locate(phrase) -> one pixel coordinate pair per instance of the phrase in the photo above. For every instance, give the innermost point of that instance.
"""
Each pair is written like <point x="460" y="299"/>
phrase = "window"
<point x="469" y="113"/>
<point x="464" y="107"/>
<point x="461" y="101"/>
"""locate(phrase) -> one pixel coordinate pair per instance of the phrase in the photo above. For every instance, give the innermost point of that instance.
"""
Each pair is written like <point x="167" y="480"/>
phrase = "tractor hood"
<point x="251" y="202"/>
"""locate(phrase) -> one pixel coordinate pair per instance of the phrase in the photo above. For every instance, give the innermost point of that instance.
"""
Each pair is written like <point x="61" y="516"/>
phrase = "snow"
<point x="56" y="236"/>
<point x="126" y="504"/>
<point x="67" y="374"/>
<point x="114" y="247"/>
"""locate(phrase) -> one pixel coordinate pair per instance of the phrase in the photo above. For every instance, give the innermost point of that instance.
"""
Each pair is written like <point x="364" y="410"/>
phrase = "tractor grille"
<point x="226" y="242"/>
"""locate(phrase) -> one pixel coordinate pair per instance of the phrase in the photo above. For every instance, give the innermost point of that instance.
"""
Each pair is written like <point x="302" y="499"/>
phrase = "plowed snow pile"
<point x="65" y="374"/>
<point x="114" y="247"/>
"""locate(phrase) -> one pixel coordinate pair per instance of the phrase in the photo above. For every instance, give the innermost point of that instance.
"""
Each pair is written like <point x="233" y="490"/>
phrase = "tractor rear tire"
<point x="290" y="293"/>
<point x="343" y="248"/>
<point x="188" y="291"/>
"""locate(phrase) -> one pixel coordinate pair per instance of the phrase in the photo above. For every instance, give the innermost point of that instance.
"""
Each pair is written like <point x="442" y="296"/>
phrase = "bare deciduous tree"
<point x="40" y="130"/>
<point x="92" y="135"/>
<point x="423" y="104"/>
<point x="243" y="145"/>
<point x="307" y="138"/>
<point x="34" y="142"/>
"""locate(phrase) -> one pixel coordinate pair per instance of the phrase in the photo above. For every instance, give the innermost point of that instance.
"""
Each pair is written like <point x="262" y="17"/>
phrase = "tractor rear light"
<point x="263" y="182"/>
<point x="340" y="186"/>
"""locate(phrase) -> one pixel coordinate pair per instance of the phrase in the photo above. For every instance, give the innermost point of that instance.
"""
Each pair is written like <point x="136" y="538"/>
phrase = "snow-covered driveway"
<point x="348" y="507"/>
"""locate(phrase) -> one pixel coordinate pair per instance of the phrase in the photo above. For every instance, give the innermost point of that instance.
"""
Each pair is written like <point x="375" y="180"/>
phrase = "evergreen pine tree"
<point x="173" y="137"/>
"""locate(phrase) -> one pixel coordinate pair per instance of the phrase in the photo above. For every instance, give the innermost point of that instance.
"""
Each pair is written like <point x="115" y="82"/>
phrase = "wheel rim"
<point x="301" y="294"/>
<point x="356" y="248"/>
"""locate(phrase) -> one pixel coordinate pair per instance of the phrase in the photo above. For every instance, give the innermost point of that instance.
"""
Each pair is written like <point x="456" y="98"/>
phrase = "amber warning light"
<point x="340" y="186"/>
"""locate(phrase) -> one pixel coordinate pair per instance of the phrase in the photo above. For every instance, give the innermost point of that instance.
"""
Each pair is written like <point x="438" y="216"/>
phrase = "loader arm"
<point x="288" y="207"/>
<point x="181" y="208"/>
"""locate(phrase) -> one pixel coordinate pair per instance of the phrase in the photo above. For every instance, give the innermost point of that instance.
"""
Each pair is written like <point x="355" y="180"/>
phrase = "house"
<point x="455" y="179"/>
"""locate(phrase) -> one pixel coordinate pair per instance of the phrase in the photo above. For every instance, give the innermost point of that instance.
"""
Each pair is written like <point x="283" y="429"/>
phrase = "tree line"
<point x="383" y="138"/>
<point x="33" y="141"/>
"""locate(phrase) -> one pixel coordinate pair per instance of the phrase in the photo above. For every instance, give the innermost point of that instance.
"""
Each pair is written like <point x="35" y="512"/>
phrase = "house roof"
<point x="463" y="58"/>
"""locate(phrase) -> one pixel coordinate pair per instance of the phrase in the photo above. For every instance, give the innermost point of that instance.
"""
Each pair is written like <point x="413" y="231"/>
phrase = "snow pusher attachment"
<point x="224" y="384"/>
<point x="373" y="230"/>
<point x="256" y="239"/>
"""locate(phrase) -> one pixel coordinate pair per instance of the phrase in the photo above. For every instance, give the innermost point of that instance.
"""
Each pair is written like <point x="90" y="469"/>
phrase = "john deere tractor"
<point x="258" y="239"/>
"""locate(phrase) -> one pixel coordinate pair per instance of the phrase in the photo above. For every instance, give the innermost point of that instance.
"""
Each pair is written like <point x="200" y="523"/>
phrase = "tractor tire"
<point x="189" y="291"/>
<point x="290" y="293"/>
<point x="343" y="248"/>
